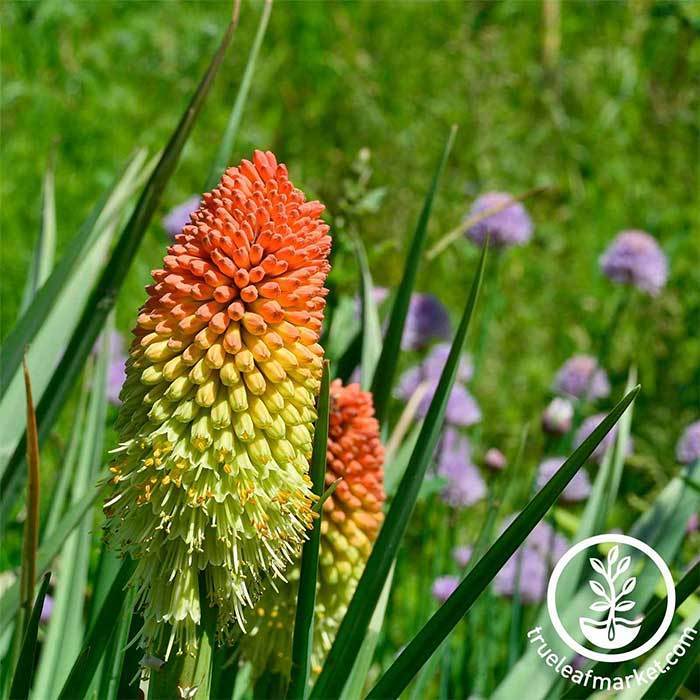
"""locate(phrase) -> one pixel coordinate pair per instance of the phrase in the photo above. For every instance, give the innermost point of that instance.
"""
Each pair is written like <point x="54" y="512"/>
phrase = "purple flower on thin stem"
<point x="688" y="447"/>
<point x="588" y="426"/>
<point x="462" y="555"/>
<point x="444" y="587"/>
<point x="581" y="377"/>
<point x="510" y="226"/>
<point x="179" y="216"/>
<point x="464" y="485"/>
<point x="427" y="320"/>
<point x="495" y="460"/>
<point x="634" y="257"/>
<point x="558" y="416"/>
<point x="578" y="489"/>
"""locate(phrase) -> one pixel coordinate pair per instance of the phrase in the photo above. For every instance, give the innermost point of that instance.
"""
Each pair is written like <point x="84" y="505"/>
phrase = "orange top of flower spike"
<point x="218" y="404"/>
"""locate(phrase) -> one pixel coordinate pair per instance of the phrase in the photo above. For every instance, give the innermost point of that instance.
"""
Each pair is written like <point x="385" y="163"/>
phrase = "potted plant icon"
<point x="614" y="631"/>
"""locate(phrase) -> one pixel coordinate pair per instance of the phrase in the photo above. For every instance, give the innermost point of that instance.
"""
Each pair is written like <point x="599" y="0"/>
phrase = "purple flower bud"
<point x="580" y="376"/>
<point x="444" y="587"/>
<point x="634" y="257"/>
<point x="179" y="216"/>
<point x="557" y="417"/>
<point x="464" y="485"/>
<point x="427" y="320"/>
<point x="495" y="460"/>
<point x="510" y="226"/>
<point x="692" y="524"/>
<point x="588" y="426"/>
<point x="688" y="447"/>
<point x="462" y="555"/>
<point x="46" y="609"/>
<point x="578" y="489"/>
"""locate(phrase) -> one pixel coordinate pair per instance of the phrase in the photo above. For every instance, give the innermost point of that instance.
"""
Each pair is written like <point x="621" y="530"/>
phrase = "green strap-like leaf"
<point x="83" y="671"/>
<point x="24" y="671"/>
<point x="223" y="155"/>
<point x="371" y="330"/>
<point x="429" y="638"/>
<point x="105" y="293"/>
<point x="302" y="642"/>
<point x="354" y="625"/>
<point x="383" y="381"/>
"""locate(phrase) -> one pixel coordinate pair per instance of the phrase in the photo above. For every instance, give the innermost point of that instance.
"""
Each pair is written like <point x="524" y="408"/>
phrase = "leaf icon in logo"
<point x="613" y="554"/>
<point x="597" y="566"/>
<point x="628" y="586"/>
<point x="598" y="589"/>
<point x="599" y="606"/>
<point x="623" y="565"/>
<point x="625" y="605"/>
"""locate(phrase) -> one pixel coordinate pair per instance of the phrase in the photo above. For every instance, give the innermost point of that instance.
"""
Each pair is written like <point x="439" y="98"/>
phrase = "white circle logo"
<point x="611" y="583"/>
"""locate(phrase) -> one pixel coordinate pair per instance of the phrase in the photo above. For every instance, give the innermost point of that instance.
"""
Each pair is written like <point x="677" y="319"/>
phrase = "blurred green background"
<point x="601" y="107"/>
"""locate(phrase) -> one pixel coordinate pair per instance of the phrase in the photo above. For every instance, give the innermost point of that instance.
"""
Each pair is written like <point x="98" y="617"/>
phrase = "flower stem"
<point x="189" y="675"/>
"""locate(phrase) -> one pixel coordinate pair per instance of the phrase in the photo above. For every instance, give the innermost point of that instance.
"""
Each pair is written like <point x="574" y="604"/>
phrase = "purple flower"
<point x="116" y="372"/>
<point x="379" y="294"/>
<point x="557" y="417"/>
<point x="462" y="555"/>
<point x="531" y="565"/>
<point x="464" y="485"/>
<point x="179" y="216"/>
<point x="444" y="587"/>
<point x="580" y="376"/>
<point x="462" y="409"/>
<point x="692" y="524"/>
<point x="434" y="363"/>
<point x="46" y="609"/>
<point x="427" y="320"/>
<point x="578" y="489"/>
<point x="510" y="226"/>
<point x="634" y="257"/>
<point x="495" y="460"/>
<point x="588" y="426"/>
<point x="688" y="447"/>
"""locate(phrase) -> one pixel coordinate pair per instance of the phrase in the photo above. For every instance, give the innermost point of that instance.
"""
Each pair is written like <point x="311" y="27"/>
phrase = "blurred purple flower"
<point x="179" y="216"/>
<point x="462" y="555"/>
<point x="558" y="416"/>
<point x="634" y="257"/>
<point x="46" y="609"/>
<point x="580" y="376"/>
<point x="379" y="294"/>
<point x="688" y="447"/>
<point x="444" y="587"/>
<point x="538" y="555"/>
<point x="511" y="226"/>
<point x="495" y="460"/>
<point x="427" y="320"/>
<point x="692" y="524"/>
<point x="116" y="372"/>
<point x="462" y="409"/>
<point x="464" y="485"/>
<point x="578" y="489"/>
<point x="588" y="426"/>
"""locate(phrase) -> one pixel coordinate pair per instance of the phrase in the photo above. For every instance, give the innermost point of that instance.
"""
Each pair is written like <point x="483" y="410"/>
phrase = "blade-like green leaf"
<point x="83" y="670"/>
<point x="386" y="366"/>
<point x="49" y="322"/>
<point x="104" y="295"/>
<point x="24" y="670"/>
<point x="358" y="676"/>
<point x="66" y="628"/>
<point x="302" y="642"/>
<point x="371" y="330"/>
<point x="22" y="335"/>
<point x="9" y="603"/>
<point x="431" y="635"/>
<point x="45" y="248"/>
<point x="354" y="625"/>
<point x="234" y="121"/>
